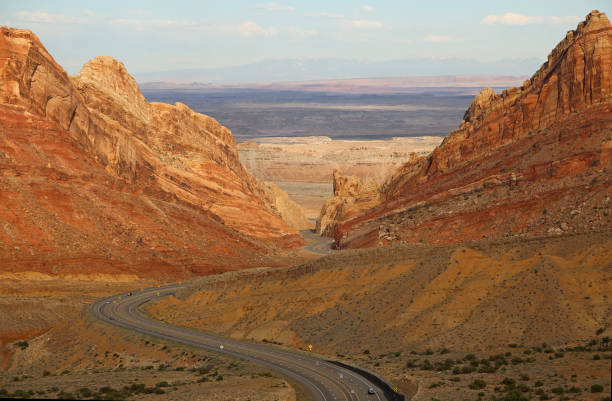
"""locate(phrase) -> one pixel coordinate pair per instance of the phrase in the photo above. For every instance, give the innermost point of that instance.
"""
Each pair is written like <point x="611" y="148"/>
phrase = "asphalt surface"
<point x="324" y="381"/>
<point x="316" y="244"/>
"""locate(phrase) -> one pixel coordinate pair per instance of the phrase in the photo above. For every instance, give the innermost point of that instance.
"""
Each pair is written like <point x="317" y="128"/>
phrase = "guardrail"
<point x="390" y="394"/>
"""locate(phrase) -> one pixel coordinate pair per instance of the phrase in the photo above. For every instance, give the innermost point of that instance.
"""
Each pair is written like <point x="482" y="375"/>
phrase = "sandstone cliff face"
<point x="532" y="160"/>
<point x="303" y="166"/>
<point x="351" y="197"/>
<point x="86" y="155"/>
<point x="190" y="154"/>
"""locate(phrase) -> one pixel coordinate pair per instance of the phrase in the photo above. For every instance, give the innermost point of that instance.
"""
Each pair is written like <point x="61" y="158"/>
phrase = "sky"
<point x="167" y="35"/>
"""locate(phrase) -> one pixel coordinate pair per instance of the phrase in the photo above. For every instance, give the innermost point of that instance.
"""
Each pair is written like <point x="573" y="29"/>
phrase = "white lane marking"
<point x="367" y="385"/>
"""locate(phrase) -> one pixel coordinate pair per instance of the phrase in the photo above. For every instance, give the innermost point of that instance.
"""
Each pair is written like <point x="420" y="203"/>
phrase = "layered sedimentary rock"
<point x="303" y="166"/>
<point x="532" y="160"/>
<point x="351" y="196"/>
<point x="94" y="176"/>
<point x="193" y="150"/>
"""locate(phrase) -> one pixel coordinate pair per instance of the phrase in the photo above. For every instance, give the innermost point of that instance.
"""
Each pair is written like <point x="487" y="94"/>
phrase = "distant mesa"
<point x="96" y="179"/>
<point x="302" y="165"/>
<point x="533" y="160"/>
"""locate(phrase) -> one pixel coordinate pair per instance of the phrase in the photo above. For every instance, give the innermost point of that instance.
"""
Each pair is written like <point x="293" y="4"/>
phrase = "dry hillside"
<point x="386" y="307"/>
<point x="472" y="296"/>
<point x="52" y="348"/>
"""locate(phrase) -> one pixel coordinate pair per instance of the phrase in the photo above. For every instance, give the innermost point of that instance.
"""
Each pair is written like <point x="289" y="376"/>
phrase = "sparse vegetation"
<point x="557" y="390"/>
<point x="478" y="384"/>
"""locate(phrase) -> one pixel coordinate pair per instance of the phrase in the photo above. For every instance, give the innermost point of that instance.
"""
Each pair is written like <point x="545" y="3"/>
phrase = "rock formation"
<point x="92" y="175"/>
<point x="351" y="196"/>
<point x="532" y="160"/>
<point x="191" y="146"/>
<point x="303" y="166"/>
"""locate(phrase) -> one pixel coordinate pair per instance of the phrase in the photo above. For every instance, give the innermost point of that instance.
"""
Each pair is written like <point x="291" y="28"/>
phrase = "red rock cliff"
<point x="90" y="171"/>
<point x="351" y="197"/>
<point x="532" y="160"/>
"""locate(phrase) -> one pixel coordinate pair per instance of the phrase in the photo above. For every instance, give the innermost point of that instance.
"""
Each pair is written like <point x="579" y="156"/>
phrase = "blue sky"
<point x="167" y="35"/>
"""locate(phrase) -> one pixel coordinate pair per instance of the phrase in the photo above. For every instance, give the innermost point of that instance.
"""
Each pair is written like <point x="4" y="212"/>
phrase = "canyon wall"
<point x="351" y="195"/>
<point x="303" y="166"/>
<point x="93" y="176"/>
<point x="532" y="160"/>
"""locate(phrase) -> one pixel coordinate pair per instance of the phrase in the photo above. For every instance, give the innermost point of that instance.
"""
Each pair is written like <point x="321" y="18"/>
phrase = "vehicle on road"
<point x="325" y="382"/>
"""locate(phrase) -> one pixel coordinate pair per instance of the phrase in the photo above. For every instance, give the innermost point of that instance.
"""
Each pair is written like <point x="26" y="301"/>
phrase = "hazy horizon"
<point x="291" y="40"/>
<point x="314" y="69"/>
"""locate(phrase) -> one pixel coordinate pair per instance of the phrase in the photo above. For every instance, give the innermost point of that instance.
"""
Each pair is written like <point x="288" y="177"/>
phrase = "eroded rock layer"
<point x="351" y="196"/>
<point x="93" y="176"/>
<point x="532" y="160"/>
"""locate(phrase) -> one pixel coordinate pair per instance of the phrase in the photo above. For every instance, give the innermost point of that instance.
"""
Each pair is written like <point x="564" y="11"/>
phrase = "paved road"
<point x="324" y="381"/>
<point x="316" y="244"/>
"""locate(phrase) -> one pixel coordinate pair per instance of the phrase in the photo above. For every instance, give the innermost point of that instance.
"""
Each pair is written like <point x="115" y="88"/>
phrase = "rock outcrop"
<point x="532" y="160"/>
<point x="91" y="173"/>
<point x="303" y="166"/>
<point x="189" y="152"/>
<point x="351" y="196"/>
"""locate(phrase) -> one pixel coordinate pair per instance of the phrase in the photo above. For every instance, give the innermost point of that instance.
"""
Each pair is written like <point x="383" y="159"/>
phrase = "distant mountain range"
<point x="283" y="70"/>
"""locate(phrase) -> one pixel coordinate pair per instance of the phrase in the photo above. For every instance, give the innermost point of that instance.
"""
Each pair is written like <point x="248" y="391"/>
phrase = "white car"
<point x="371" y="391"/>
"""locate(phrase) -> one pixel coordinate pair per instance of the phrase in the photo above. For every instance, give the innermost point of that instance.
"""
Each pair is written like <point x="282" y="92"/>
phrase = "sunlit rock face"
<point x="533" y="160"/>
<point x="94" y="176"/>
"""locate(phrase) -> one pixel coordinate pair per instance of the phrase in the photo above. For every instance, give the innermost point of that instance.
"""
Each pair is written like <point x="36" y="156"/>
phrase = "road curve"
<point x="323" y="380"/>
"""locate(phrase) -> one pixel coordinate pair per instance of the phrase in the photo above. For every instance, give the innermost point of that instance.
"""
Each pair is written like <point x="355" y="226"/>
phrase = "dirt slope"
<point x="467" y="297"/>
<point x="51" y="346"/>
<point x="415" y="314"/>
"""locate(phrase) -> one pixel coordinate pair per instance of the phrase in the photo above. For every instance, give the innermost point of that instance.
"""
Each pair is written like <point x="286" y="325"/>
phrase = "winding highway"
<point x="322" y="379"/>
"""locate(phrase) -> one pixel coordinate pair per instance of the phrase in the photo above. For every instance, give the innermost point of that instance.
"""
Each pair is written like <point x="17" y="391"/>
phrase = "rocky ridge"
<point x="93" y="175"/>
<point x="303" y="166"/>
<point x="351" y="195"/>
<point x="531" y="160"/>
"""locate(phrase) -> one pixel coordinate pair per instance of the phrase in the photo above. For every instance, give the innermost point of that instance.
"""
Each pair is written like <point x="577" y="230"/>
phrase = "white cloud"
<point x="366" y="24"/>
<point x="440" y="39"/>
<point x="147" y="24"/>
<point x="275" y="7"/>
<point x="303" y="33"/>
<point x="140" y="12"/>
<point x="45" y="17"/>
<point x="331" y="15"/>
<point x="250" y="28"/>
<point x="520" y="19"/>
<point x="367" y="8"/>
